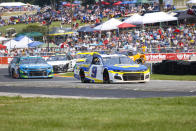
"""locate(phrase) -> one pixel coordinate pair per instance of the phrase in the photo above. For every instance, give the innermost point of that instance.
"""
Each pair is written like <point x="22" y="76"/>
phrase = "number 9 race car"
<point x="111" y="69"/>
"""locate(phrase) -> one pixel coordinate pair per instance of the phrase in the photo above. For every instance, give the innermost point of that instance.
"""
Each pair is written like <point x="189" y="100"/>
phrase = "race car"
<point x="30" y="67"/>
<point x="111" y="69"/>
<point x="135" y="56"/>
<point x="60" y="63"/>
<point x="81" y="57"/>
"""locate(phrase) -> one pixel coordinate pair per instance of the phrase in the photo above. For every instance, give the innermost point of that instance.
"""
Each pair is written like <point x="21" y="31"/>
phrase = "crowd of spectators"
<point x="89" y="14"/>
<point x="149" y="39"/>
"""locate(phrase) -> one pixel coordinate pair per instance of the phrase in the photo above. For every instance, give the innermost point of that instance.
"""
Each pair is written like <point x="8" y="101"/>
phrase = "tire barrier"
<point x="174" y="67"/>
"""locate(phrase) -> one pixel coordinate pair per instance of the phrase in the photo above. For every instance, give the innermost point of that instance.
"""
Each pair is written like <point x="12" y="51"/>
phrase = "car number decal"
<point x="94" y="72"/>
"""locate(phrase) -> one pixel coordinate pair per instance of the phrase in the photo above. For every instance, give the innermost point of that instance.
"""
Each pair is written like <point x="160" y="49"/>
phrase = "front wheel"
<point x="106" y="78"/>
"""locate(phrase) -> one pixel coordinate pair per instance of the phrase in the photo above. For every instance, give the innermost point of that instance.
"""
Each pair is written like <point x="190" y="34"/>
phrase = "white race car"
<point x="60" y="63"/>
<point x="111" y="69"/>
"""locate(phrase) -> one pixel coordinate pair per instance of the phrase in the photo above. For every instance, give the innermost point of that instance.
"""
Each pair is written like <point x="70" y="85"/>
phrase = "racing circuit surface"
<point x="70" y="87"/>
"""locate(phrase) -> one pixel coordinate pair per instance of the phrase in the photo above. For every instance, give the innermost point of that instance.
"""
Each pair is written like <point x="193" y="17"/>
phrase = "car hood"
<point x="57" y="62"/>
<point x="127" y="67"/>
<point x="35" y="66"/>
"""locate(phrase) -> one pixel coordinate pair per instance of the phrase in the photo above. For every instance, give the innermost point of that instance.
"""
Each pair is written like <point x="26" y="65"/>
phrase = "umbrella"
<point x="86" y="29"/>
<point x="35" y="44"/>
<point x="46" y="45"/>
<point x="68" y="4"/>
<point x="105" y="3"/>
<point x="117" y="3"/>
<point x="126" y="25"/>
<point x="2" y="46"/>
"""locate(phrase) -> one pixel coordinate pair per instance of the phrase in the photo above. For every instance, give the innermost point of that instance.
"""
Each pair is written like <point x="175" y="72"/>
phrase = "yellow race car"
<point x="135" y="56"/>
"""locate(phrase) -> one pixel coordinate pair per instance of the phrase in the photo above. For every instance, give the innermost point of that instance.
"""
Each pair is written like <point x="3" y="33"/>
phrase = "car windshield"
<point x="81" y="56"/>
<point x="33" y="61"/>
<point x="57" y="58"/>
<point x="117" y="60"/>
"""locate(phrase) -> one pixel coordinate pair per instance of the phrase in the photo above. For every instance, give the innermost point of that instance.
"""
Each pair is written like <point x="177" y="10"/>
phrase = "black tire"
<point x="82" y="77"/>
<point x="13" y="74"/>
<point x="106" y="78"/>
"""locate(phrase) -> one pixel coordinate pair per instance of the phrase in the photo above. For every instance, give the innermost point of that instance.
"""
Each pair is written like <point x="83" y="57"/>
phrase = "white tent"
<point x="150" y="18"/>
<point x="136" y="19"/>
<point x="23" y="43"/>
<point x="3" y="39"/>
<point x="12" y="4"/>
<point x="191" y="2"/>
<point x="108" y="25"/>
<point x="11" y="44"/>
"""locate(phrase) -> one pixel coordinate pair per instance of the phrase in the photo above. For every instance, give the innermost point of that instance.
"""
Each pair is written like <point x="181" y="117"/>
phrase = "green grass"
<point x="157" y="77"/>
<point x="67" y="74"/>
<point x="149" y="114"/>
<point x="20" y="27"/>
<point x="173" y="77"/>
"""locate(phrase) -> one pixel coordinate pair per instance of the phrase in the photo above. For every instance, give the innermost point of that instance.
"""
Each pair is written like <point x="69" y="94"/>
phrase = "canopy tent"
<point x="2" y="46"/>
<point x="70" y="5"/>
<point x="143" y="1"/>
<point x="117" y="3"/>
<point x="105" y="3"/>
<point x="191" y="2"/>
<point x="11" y="44"/>
<point x="149" y="18"/>
<point x="51" y="45"/>
<point x="135" y="19"/>
<point x="12" y="4"/>
<point x="19" y="38"/>
<point x="86" y="29"/>
<point x="35" y="44"/>
<point x="30" y="34"/>
<point x="61" y="31"/>
<point x="3" y="39"/>
<point x="108" y="25"/>
<point x="126" y="25"/>
<point x="129" y="2"/>
<point x="183" y="15"/>
<point x="23" y="43"/>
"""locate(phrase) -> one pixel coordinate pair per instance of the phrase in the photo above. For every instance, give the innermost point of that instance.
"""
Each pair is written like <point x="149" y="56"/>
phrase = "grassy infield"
<point x="173" y="114"/>
<point x="158" y="114"/>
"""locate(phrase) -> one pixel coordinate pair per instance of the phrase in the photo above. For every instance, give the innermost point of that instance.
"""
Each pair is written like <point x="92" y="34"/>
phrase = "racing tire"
<point x="106" y="77"/>
<point x="82" y="77"/>
<point x="14" y="75"/>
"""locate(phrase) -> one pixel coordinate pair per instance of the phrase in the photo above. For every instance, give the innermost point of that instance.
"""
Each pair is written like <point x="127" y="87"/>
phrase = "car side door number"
<point x="94" y="72"/>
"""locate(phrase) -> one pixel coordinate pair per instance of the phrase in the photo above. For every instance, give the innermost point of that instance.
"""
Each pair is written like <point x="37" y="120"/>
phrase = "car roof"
<point x="91" y="53"/>
<point x="29" y="57"/>
<point x="110" y="55"/>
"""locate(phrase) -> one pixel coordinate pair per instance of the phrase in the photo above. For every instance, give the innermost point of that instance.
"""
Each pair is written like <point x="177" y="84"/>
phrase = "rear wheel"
<point x="106" y="78"/>
<point x="82" y="77"/>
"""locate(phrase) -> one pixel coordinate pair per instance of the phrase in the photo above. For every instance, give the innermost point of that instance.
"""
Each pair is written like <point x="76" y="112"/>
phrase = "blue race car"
<point x="30" y="67"/>
<point x="111" y="69"/>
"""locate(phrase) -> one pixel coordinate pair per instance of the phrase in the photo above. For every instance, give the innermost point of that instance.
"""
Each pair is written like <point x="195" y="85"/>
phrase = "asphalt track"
<point x="67" y="87"/>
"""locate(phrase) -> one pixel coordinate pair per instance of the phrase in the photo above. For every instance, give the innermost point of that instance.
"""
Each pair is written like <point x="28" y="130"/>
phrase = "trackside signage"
<point x="155" y="57"/>
<point x="168" y="56"/>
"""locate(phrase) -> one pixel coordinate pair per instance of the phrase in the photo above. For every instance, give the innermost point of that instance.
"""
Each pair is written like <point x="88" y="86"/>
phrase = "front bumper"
<point x="36" y="74"/>
<point x="126" y="77"/>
